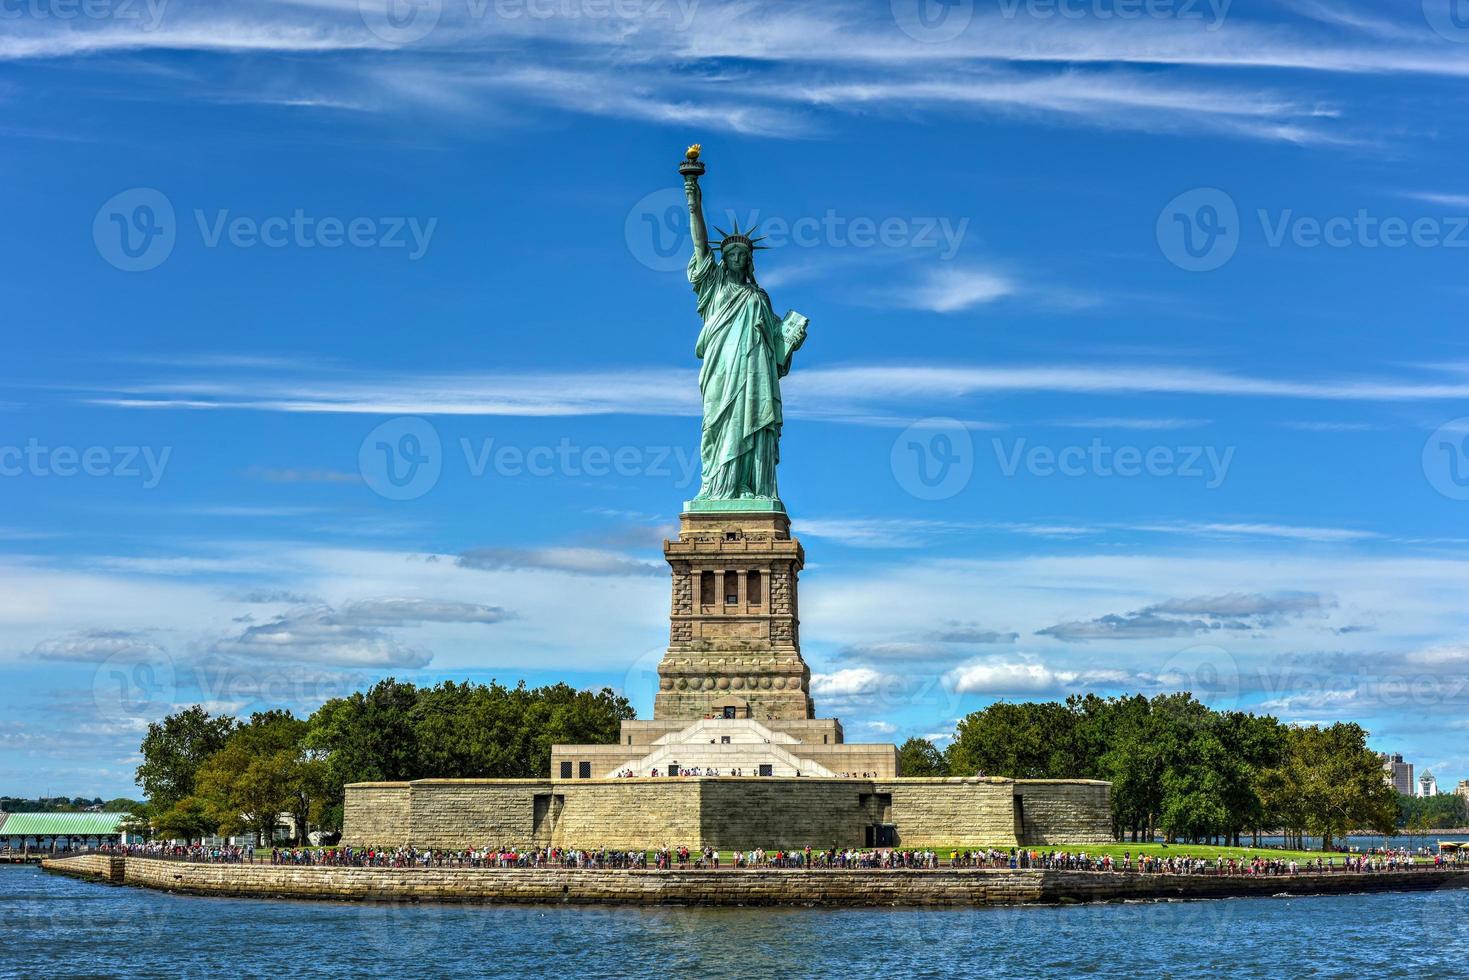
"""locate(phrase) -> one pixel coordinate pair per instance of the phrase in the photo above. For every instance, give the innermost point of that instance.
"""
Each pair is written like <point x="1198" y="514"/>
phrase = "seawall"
<point x="757" y="886"/>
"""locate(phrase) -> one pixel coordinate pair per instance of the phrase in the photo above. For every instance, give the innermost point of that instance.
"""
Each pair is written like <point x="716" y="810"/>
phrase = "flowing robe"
<point x="746" y="350"/>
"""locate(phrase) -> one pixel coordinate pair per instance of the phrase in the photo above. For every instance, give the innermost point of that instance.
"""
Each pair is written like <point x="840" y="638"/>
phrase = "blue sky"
<point x="1136" y="356"/>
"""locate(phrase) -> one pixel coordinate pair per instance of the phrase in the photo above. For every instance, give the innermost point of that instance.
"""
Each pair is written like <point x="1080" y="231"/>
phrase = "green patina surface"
<point x="746" y="349"/>
<point x="747" y="505"/>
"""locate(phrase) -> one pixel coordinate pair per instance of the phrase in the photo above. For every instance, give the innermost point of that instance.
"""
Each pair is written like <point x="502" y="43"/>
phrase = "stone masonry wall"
<point x="952" y="812"/>
<point x="729" y="887"/>
<point x="724" y="812"/>
<point x="1055" y="811"/>
<point x="454" y="813"/>
<point x="630" y="813"/>
<point x="792" y="813"/>
<point x="376" y="813"/>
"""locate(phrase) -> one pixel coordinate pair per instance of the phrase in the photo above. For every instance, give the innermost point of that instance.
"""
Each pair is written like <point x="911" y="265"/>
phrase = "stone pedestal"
<point x="734" y="633"/>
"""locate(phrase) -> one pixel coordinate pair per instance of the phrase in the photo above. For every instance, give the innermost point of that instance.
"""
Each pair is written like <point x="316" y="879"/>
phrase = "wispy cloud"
<point x="796" y="67"/>
<point x="579" y="561"/>
<point x="1193" y="617"/>
<point x="854" y="392"/>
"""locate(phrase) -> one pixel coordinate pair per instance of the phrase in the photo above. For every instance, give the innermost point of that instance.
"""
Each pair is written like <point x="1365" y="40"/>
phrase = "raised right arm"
<point x="697" y="227"/>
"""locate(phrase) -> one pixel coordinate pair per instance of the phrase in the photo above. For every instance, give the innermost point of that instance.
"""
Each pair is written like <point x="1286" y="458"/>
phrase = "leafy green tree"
<point x="920" y="757"/>
<point x="1330" y="783"/>
<point x="252" y="779"/>
<point x="1022" y="741"/>
<point x="189" y="819"/>
<point x="1433" y="812"/>
<point x="174" y="748"/>
<point x="397" y="731"/>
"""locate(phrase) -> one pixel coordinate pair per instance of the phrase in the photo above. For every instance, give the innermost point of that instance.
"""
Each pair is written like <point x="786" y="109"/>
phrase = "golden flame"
<point x="693" y="151"/>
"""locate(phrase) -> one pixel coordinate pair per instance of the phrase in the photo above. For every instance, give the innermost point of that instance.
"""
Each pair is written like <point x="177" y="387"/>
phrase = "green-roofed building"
<point x="49" y="831"/>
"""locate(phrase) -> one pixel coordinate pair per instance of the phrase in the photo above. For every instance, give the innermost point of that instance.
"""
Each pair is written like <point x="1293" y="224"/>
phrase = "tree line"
<point x="1178" y="767"/>
<point x="209" y="774"/>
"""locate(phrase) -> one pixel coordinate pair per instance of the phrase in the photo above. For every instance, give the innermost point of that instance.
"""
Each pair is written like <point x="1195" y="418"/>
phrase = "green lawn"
<point x="1191" y="850"/>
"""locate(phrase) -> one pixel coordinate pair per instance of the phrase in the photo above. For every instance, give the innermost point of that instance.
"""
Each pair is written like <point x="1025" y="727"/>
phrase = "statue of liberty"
<point x="746" y="350"/>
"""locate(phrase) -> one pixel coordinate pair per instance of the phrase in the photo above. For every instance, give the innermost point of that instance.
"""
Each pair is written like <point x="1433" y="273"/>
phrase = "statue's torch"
<point x="690" y="166"/>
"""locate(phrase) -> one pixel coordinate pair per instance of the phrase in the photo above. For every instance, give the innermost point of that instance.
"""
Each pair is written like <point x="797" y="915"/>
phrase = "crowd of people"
<point x="683" y="858"/>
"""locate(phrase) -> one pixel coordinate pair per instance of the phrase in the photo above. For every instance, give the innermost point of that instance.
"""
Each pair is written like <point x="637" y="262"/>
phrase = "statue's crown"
<point x="739" y="238"/>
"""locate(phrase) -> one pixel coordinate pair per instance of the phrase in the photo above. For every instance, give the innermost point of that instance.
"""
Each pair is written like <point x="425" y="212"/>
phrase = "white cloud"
<point x="948" y="289"/>
<point x="853" y="392"/>
<point x="849" y="682"/>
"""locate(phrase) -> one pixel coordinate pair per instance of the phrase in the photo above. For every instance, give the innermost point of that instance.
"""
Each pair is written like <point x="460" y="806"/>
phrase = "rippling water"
<point x="52" y="926"/>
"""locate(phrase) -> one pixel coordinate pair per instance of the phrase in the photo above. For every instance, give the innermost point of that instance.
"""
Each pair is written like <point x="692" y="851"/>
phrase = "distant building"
<point x="1397" y="773"/>
<point x="1427" y="785"/>
<point x="1462" y="789"/>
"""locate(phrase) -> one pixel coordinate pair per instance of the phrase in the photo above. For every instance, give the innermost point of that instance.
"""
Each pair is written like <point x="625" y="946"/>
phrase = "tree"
<point x="1329" y="783"/>
<point x="919" y="757"/>
<point x="253" y="778"/>
<point x="189" y="820"/>
<point x="1022" y="741"/>
<point x="173" y="750"/>
<point x="397" y="731"/>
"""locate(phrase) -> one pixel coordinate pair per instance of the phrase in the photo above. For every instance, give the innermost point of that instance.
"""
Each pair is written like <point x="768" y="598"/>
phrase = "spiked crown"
<point x="738" y="238"/>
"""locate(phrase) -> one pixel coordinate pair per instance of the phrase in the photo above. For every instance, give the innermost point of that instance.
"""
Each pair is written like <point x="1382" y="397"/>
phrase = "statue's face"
<point x="737" y="260"/>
